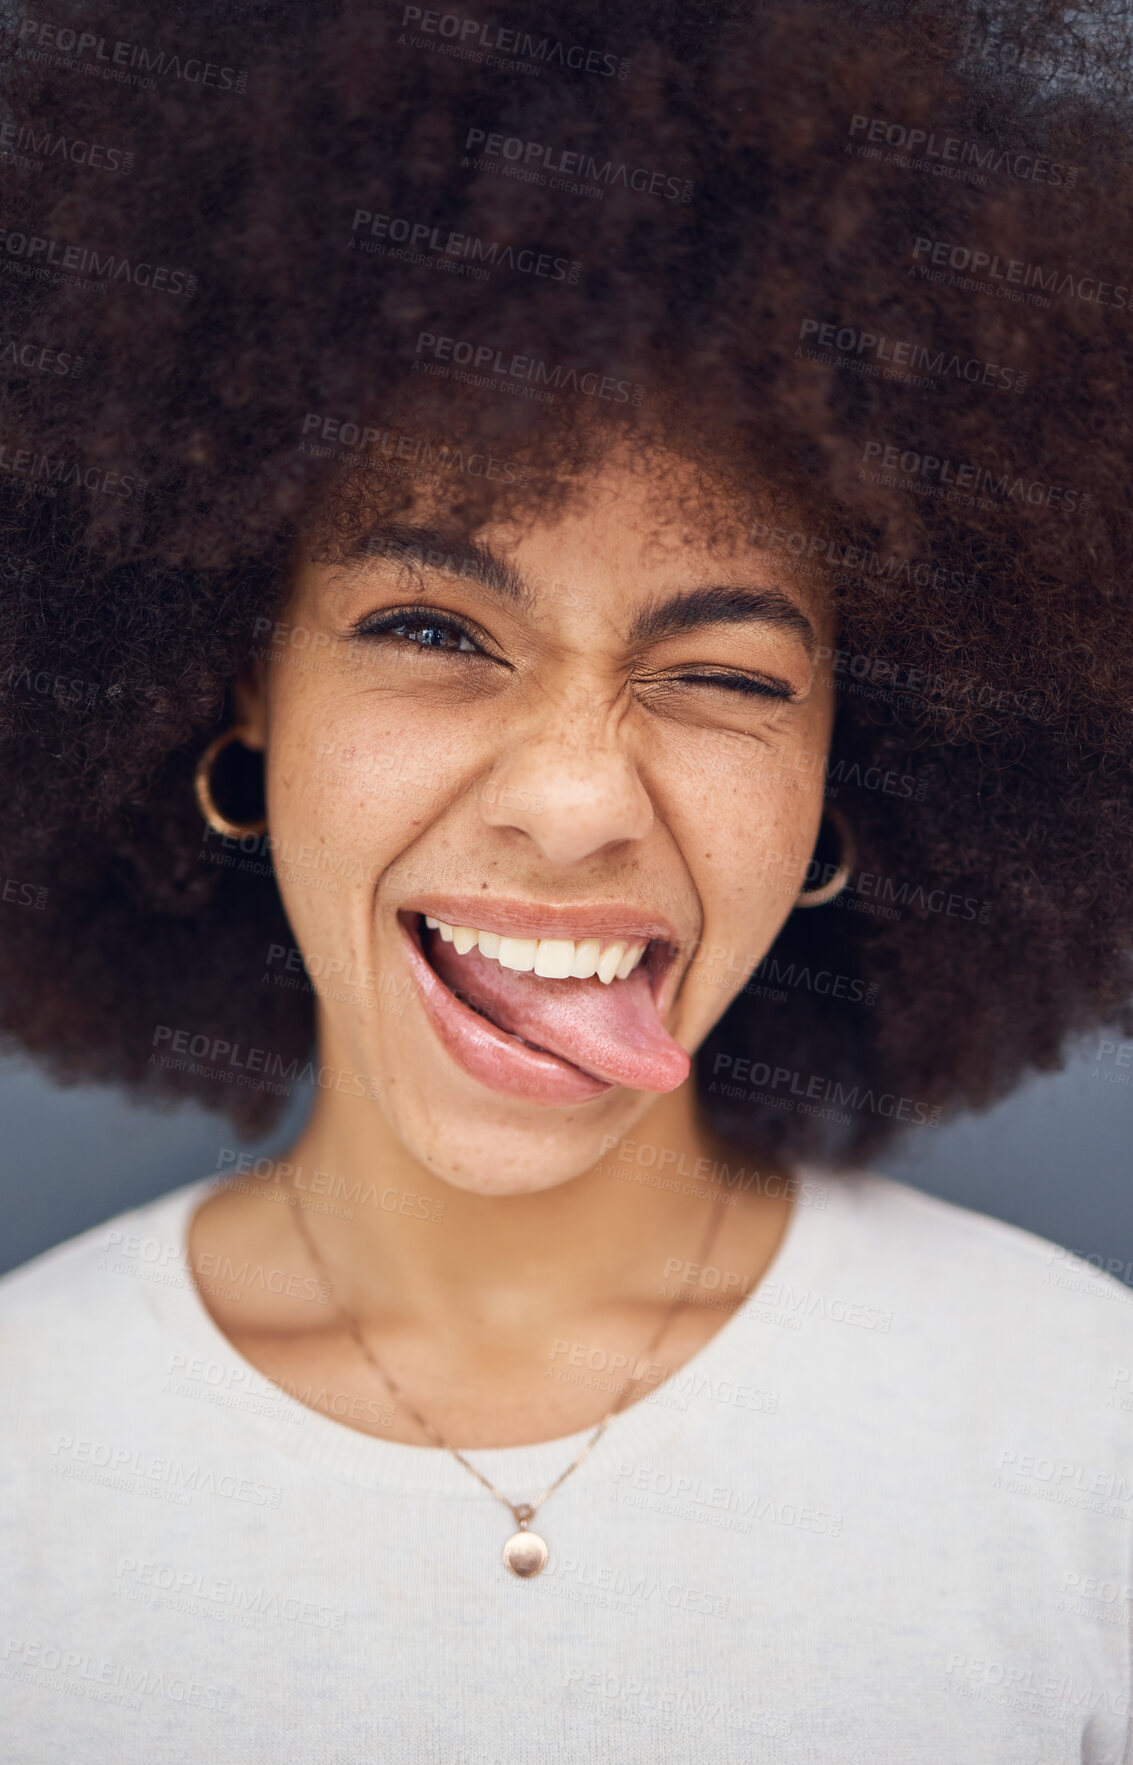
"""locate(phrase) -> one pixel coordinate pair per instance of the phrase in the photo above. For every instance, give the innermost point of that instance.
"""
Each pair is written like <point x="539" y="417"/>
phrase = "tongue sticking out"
<point x="612" y="1032"/>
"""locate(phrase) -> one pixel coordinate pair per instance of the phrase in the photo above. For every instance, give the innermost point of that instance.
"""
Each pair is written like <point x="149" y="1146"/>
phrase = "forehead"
<point x="628" y="524"/>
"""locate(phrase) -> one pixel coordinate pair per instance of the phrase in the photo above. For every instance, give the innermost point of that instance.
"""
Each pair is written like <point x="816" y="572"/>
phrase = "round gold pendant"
<point x="525" y="1553"/>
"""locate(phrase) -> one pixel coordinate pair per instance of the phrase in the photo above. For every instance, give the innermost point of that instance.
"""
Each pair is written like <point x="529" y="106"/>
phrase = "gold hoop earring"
<point x="202" y="785"/>
<point x="834" y="885"/>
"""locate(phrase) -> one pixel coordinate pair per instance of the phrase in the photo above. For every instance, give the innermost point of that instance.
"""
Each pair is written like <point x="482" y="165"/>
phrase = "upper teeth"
<point x="553" y="958"/>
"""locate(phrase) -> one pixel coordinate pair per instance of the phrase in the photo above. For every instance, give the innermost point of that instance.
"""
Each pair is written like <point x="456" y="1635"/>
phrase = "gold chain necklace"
<point x="525" y="1552"/>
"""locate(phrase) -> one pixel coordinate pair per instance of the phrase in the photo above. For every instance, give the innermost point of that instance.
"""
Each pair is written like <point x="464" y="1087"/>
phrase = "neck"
<point x="424" y="1248"/>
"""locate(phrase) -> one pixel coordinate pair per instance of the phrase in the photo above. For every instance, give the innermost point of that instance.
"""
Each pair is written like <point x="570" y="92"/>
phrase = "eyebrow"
<point x="431" y="548"/>
<point x="721" y="605"/>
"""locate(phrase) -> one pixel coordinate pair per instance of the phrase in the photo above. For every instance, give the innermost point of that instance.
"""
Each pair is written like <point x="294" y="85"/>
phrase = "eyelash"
<point x="748" y="685"/>
<point x="399" y="620"/>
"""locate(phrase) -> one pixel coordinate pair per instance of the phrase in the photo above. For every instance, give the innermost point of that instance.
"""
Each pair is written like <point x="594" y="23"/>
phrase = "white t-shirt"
<point x="883" y="1516"/>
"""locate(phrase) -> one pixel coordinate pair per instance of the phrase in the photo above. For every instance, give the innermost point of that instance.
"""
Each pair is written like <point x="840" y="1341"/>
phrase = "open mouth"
<point x="554" y="1019"/>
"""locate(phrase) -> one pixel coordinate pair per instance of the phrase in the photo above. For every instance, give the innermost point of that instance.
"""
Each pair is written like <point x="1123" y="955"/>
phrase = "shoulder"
<point x="929" y="1245"/>
<point x="79" y="1304"/>
<point x="992" y="1300"/>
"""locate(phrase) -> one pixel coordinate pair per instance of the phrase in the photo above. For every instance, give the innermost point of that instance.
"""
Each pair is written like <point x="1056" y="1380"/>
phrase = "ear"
<point x="249" y="698"/>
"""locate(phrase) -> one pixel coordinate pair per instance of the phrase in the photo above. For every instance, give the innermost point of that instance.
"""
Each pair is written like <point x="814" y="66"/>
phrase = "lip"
<point x="502" y="1062"/>
<point x="526" y="919"/>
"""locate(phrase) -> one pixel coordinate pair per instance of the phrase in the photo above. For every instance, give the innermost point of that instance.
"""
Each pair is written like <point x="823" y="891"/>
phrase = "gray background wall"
<point x="1057" y="1158"/>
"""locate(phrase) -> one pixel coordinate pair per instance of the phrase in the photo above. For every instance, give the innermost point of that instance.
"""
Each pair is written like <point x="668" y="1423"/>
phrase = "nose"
<point x="572" y="792"/>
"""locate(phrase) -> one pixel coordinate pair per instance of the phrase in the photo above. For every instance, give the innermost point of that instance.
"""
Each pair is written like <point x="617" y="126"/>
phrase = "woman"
<point x="578" y="563"/>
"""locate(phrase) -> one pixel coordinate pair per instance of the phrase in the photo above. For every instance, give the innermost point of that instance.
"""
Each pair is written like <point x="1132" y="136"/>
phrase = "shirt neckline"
<point x="745" y="1345"/>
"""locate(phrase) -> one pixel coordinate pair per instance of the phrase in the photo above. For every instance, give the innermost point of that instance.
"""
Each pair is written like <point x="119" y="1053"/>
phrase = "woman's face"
<point x="589" y="741"/>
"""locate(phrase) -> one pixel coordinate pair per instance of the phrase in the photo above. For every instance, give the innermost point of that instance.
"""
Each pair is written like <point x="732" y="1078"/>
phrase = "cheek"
<point x="362" y="774"/>
<point x="768" y="855"/>
<point x="750" y="829"/>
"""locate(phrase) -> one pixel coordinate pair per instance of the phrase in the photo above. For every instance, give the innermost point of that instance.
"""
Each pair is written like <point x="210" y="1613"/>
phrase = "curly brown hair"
<point x="261" y="262"/>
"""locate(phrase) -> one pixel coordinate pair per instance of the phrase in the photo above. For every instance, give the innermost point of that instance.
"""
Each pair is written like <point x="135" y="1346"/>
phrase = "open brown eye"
<point x="433" y="637"/>
<point x="424" y="631"/>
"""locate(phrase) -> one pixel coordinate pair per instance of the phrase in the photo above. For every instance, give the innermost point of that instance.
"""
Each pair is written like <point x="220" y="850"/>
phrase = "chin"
<point x="487" y="1146"/>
